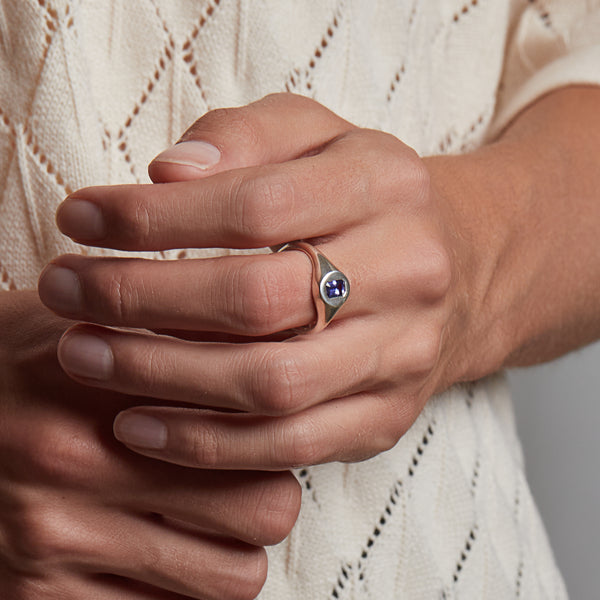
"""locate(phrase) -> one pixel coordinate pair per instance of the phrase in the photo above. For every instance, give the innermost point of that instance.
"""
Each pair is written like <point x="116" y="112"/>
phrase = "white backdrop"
<point x="558" y="415"/>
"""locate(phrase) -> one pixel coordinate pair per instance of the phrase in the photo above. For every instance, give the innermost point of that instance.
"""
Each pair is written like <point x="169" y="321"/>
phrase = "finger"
<point x="349" y="429"/>
<point x="258" y="508"/>
<point x="277" y="128"/>
<point x="247" y="295"/>
<point x="75" y="587"/>
<point x="242" y="295"/>
<point x="181" y="561"/>
<point x="111" y="587"/>
<point x="251" y="506"/>
<point x="62" y="453"/>
<point x="246" y="208"/>
<point x="93" y="538"/>
<point x="263" y="378"/>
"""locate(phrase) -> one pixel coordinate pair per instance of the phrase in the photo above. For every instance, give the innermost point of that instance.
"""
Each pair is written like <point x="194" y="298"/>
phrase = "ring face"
<point x="333" y="288"/>
<point x="330" y="287"/>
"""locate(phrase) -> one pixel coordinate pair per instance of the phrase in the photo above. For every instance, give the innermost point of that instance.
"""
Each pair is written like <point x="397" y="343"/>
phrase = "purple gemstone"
<point x="335" y="288"/>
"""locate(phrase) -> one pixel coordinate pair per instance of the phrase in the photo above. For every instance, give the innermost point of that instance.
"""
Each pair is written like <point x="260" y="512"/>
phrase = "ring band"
<point x="330" y="287"/>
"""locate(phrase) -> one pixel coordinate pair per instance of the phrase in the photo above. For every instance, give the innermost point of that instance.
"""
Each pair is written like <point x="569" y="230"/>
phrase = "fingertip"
<point x="59" y="288"/>
<point x="81" y="220"/>
<point x="84" y="355"/>
<point x="140" y="430"/>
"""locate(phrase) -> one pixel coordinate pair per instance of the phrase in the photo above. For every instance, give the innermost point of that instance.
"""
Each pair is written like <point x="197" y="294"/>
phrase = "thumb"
<point x="278" y="128"/>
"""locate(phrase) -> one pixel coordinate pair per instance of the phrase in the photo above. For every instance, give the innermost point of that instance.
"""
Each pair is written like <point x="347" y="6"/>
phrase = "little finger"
<point x="259" y="508"/>
<point x="349" y="429"/>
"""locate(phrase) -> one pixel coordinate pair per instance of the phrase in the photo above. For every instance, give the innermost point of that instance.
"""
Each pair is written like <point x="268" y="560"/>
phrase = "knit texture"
<point x="90" y="91"/>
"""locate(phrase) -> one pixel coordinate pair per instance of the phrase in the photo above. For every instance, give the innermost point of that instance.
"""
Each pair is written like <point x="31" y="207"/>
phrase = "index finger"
<point x="246" y="208"/>
<point x="275" y="129"/>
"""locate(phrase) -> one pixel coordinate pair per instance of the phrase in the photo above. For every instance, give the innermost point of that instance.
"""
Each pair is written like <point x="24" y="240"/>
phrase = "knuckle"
<point x="399" y="417"/>
<point x="148" y="367"/>
<point x="375" y="435"/>
<point x="418" y="179"/>
<point x="204" y="445"/>
<point x="276" y="98"/>
<point x="135" y="223"/>
<point x="119" y="297"/>
<point x="385" y="440"/>
<point x="425" y="353"/>
<point x="153" y="558"/>
<point x="259" y="298"/>
<point x="264" y="202"/>
<point x="143" y="224"/>
<point x="40" y="539"/>
<point x="279" y="382"/>
<point x="277" y="510"/>
<point x="304" y="442"/>
<point x="290" y="101"/>
<point x="435" y="276"/>
<point x="378" y="159"/>
<point x="245" y="581"/>
<point x="365" y="161"/>
<point x="237" y="123"/>
<point x="384" y="168"/>
<point x="368" y="140"/>
<point x="63" y="458"/>
<point x="388" y="436"/>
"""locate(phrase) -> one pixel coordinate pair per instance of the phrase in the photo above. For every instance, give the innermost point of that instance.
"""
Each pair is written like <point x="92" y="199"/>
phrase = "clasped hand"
<point x="83" y="517"/>
<point x="239" y="391"/>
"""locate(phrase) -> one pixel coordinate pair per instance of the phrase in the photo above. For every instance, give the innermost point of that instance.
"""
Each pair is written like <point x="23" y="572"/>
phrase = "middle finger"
<point x="262" y="377"/>
<point x="242" y="208"/>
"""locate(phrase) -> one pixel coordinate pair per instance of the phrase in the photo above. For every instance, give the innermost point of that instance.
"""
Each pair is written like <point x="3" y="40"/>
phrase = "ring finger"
<point x="245" y="295"/>
<point x="214" y="501"/>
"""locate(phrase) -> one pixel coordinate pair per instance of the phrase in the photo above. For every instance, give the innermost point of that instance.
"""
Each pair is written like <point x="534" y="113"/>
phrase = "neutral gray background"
<point x="558" y="416"/>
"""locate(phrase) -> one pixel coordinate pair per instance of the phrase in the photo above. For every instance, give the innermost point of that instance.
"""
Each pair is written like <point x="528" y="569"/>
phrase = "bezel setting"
<point x="337" y="300"/>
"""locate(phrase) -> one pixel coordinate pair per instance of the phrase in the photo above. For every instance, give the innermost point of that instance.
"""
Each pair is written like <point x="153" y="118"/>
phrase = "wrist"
<point x="482" y="194"/>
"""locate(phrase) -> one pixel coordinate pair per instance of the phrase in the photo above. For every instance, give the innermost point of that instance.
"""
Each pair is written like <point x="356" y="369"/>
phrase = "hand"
<point x="282" y="169"/>
<point x="83" y="517"/>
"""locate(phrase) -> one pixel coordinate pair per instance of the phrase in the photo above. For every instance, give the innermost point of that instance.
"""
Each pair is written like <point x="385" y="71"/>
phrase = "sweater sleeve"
<point x="551" y="44"/>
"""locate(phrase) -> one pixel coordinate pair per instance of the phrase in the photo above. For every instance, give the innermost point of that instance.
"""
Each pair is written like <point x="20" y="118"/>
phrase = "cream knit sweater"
<point x="91" y="90"/>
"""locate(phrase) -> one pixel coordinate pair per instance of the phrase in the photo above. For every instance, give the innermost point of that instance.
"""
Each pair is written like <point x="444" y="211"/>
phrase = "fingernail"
<point x="81" y="220"/>
<point x="60" y="290"/>
<point x="196" y="154"/>
<point x="140" y="430"/>
<point x="86" y="356"/>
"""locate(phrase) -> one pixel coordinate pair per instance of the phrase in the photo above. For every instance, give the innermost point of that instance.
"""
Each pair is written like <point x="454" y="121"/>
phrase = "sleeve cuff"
<point x="579" y="67"/>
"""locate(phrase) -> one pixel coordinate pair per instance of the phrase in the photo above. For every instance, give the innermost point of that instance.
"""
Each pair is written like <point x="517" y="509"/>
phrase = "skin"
<point x="467" y="249"/>
<point x="83" y="517"/>
<point x="459" y="265"/>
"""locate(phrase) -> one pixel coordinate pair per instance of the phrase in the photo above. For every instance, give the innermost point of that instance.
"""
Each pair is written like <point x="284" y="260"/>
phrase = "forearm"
<point x="529" y="209"/>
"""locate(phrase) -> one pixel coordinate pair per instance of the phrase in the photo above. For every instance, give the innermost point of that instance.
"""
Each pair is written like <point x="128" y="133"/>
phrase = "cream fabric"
<point x="90" y="91"/>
